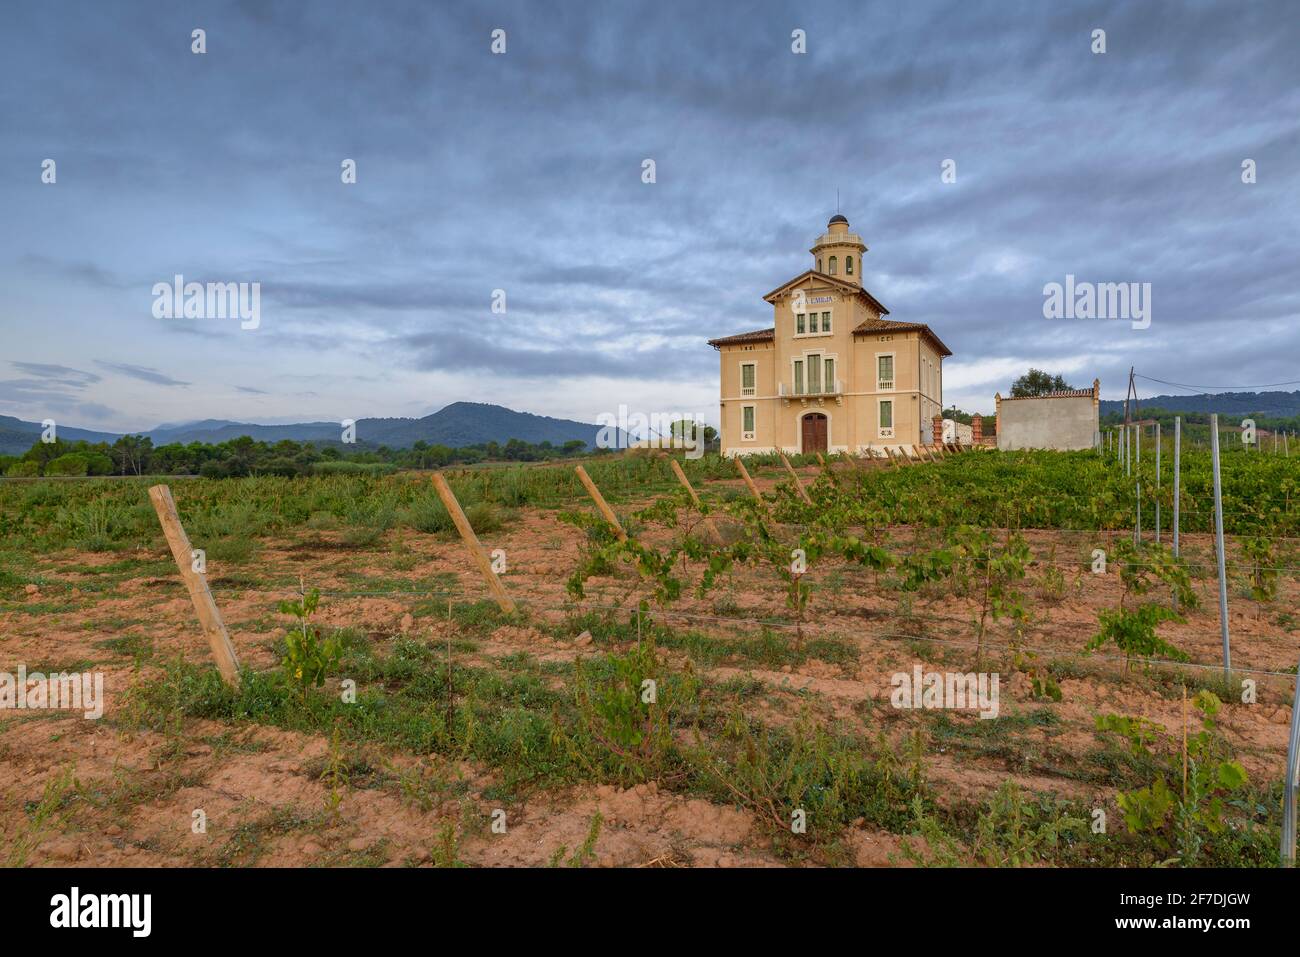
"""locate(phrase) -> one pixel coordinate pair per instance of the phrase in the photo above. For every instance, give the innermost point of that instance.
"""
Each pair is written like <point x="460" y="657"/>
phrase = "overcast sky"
<point x="523" y="172"/>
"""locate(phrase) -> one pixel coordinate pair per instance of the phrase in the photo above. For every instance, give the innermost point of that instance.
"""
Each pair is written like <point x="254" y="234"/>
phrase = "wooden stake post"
<point x="476" y="550"/>
<point x="681" y="477"/>
<point x="197" y="585"/>
<point x="601" y="504"/>
<point x="753" y="489"/>
<point x="794" y="476"/>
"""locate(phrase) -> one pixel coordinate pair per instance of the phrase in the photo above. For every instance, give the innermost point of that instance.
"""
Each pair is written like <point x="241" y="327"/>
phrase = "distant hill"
<point x="18" y="436"/>
<point x="1281" y="405"/>
<point x="469" y="423"/>
<point x="459" y="424"/>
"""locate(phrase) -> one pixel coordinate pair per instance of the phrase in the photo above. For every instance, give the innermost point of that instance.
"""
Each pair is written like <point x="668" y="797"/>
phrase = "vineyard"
<point x="710" y="679"/>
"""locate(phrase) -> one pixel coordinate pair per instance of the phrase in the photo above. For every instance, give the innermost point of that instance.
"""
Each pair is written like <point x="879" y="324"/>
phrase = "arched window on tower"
<point x="819" y="264"/>
<point x="833" y="265"/>
<point x="848" y="265"/>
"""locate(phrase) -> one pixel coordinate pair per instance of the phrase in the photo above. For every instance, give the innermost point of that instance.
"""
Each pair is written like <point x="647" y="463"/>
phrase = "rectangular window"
<point x="798" y="324"/>
<point x="798" y="377"/>
<point x="826" y="322"/>
<point x="747" y="378"/>
<point x="814" y="375"/>
<point x="830" y="375"/>
<point x="886" y="415"/>
<point x="747" y="422"/>
<point x="884" y="372"/>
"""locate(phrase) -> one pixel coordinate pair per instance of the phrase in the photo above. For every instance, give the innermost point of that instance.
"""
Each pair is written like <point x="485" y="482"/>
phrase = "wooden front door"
<point x="814" y="432"/>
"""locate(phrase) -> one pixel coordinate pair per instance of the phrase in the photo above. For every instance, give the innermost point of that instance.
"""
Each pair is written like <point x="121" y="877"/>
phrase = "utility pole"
<point x="1128" y="415"/>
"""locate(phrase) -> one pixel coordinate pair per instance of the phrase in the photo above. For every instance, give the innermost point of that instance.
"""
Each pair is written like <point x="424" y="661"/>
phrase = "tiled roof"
<point x="843" y="285"/>
<point x="866" y="326"/>
<point x="892" y="325"/>
<point x="758" y="335"/>
<point x="1071" y="394"/>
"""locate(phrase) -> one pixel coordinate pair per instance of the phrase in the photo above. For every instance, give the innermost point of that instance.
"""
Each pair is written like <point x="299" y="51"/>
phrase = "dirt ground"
<point x="264" y="797"/>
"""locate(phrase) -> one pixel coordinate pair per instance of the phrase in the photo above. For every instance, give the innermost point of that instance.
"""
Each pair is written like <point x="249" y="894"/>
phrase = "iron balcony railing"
<point x="835" y="239"/>
<point x="787" y="390"/>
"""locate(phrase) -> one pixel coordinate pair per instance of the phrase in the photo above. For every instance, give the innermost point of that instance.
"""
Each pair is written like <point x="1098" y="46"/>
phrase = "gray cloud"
<point x="522" y="172"/>
<point x="57" y="374"/>
<point x="30" y="391"/>
<point x="80" y="271"/>
<point x="143" y="373"/>
<point x="48" y="388"/>
<point x="455" y="352"/>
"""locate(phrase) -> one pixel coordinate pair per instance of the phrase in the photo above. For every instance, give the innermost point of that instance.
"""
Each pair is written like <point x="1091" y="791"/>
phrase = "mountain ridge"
<point x="455" y="425"/>
<point x="1282" y="405"/>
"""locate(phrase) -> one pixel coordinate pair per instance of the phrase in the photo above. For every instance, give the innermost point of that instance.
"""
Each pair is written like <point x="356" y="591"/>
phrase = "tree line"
<point x="1199" y="422"/>
<point x="137" y="455"/>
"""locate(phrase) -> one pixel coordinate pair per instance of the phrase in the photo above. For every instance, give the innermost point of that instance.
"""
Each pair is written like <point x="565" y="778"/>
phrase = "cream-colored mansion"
<point x="832" y="374"/>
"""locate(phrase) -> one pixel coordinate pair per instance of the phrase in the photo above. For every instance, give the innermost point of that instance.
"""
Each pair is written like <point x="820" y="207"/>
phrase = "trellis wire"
<point x="782" y="624"/>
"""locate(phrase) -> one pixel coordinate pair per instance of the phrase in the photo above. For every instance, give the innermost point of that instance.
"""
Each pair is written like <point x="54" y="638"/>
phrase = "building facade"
<point x="832" y="374"/>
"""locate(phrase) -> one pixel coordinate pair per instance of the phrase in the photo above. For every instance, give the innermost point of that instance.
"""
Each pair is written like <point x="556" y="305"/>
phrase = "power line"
<point x="1221" y="388"/>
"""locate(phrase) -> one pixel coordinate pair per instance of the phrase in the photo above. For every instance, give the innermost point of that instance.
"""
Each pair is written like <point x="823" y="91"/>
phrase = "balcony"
<point x="823" y="390"/>
<point x="837" y="239"/>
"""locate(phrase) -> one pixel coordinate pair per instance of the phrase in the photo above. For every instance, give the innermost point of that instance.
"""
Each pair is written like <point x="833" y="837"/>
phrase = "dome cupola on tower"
<point x="838" y="252"/>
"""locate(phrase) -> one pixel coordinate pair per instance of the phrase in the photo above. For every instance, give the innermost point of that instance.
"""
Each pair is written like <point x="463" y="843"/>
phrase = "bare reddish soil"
<point x="262" y="789"/>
